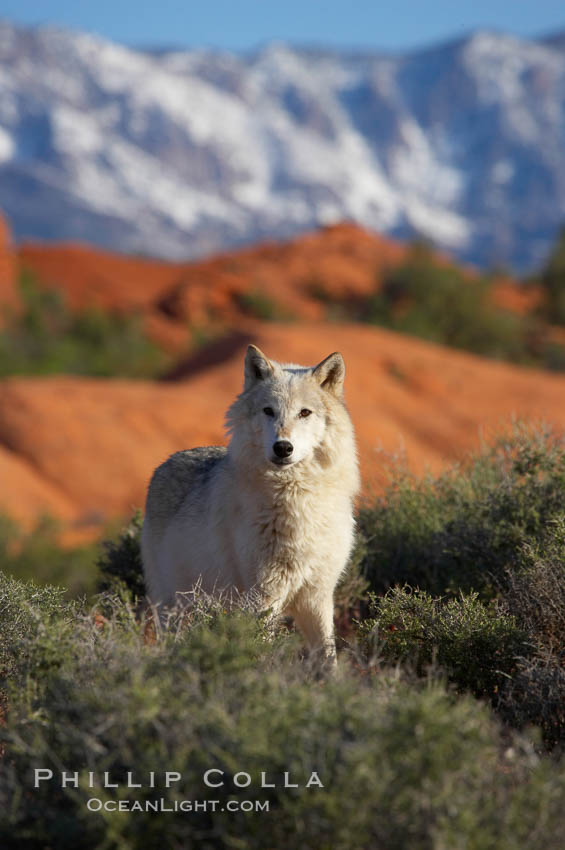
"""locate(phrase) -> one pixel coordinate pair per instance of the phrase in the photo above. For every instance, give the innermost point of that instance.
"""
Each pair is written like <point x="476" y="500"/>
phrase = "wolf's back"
<point x="184" y="472"/>
<point x="180" y="479"/>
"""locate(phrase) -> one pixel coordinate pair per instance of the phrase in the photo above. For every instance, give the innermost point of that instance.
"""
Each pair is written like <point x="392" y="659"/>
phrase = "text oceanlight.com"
<point x="95" y="804"/>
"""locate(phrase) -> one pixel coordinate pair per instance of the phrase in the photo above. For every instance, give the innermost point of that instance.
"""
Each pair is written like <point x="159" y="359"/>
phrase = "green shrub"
<point x="38" y="555"/>
<point x="534" y="696"/>
<point x="119" y="564"/>
<point x="402" y="764"/>
<point x="494" y="527"/>
<point x="552" y="280"/>
<point x="262" y="306"/>
<point x="27" y="610"/>
<point x="47" y="338"/>
<point x="534" y="592"/>
<point x="476" y="644"/>
<point x="113" y="564"/>
<point x="466" y="529"/>
<point x="535" y="596"/>
<point x="438" y="302"/>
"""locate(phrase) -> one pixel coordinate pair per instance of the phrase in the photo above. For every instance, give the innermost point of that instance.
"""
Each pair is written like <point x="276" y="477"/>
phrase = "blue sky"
<point x="240" y="24"/>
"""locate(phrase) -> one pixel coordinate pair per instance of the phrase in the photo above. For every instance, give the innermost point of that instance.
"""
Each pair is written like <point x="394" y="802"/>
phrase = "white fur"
<point x="235" y="520"/>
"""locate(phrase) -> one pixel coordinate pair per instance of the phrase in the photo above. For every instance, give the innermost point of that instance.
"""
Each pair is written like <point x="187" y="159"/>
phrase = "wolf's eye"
<point x="268" y="411"/>
<point x="304" y="413"/>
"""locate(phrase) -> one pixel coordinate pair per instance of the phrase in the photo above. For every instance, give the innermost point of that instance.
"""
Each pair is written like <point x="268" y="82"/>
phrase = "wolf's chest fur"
<point x="286" y="519"/>
<point x="293" y="530"/>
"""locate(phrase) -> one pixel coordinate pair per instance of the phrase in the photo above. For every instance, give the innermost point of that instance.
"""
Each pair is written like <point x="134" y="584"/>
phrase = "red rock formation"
<point x="8" y="287"/>
<point x="343" y="260"/>
<point x="90" y="446"/>
<point x="83" y="449"/>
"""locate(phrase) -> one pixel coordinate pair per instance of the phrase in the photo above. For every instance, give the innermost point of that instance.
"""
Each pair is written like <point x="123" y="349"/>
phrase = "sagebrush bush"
<point x="119" y="563"/>
<point x="476" y="644"/>
<point x="402" y="764"/>
<point x="439" y="302"/>
<point x="489" y="538"/>
<point x="535" y="595"/>
<point x="552" y="279"/>
<point x="534" y="591"/>
<point x="26" y="611"/>
<point x="466" y="529"/>
<point x="45" y="337"/>
<point x="37" y="554"/>
<point x="534" y="696"/>
<point x="262" y="306"/>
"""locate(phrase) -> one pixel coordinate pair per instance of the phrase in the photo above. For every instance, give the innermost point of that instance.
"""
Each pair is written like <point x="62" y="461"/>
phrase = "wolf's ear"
<point x="330" y="373"/>
<point x="257" y="366"/>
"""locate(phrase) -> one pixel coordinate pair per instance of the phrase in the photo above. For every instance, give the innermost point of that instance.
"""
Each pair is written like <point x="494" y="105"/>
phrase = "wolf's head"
<point x="283" y="415"/>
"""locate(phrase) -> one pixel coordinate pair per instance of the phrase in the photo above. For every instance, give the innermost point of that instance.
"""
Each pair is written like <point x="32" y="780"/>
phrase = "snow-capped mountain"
<point x="179" y="153"/>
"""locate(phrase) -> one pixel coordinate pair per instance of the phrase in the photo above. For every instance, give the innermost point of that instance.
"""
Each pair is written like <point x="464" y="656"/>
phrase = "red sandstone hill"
<point x="209" y="295"/>
<point x="347" y="258"/>
<point x="83" y="449"/>
<point x="178" y="300"/>
<point x="8" y="291"/>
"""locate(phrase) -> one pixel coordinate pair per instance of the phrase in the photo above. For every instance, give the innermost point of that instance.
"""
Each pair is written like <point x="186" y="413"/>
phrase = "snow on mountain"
<point x="180" y="153"/>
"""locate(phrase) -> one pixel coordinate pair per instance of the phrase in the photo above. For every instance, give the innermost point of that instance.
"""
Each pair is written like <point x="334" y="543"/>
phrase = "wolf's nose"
<point x="282" y="448"/>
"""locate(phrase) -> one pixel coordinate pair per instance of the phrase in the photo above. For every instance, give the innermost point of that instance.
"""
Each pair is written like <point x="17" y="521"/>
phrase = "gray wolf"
<point x="271" y="514"/>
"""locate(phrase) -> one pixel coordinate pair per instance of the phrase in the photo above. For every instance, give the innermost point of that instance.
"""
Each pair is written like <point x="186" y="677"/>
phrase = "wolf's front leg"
<point x="270" y="609"/>
<point x="272" y="591"/>
<point x="313" y="613"/>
